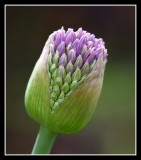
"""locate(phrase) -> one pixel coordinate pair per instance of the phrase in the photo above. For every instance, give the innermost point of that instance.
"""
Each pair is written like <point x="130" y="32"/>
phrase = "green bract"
<point x="62" y="95"/>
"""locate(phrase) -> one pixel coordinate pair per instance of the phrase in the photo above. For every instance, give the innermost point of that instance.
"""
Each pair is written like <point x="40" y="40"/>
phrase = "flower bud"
<point x="76" y="46"/>
<point x="76" y="75"/>
<point x="63" y="60"/>
<point x="62" y="95"/>
<point x="87" y="54"/>
<point x="83" y="41"/>
<point x="71" y="56"/>
<point x="90" y="58"/>
<point x="79" y="62"/>
<point x="61" y="72"/>
<point x="84" y="50"/>
<point x="53" y="96"/>
<point x="85" y="69"/>
<point x="92" y="65"/>
<point x="68" y="48"/>
<point x="52" y="49"/>
<point x="65" y="88"/>
<point x="66" y="81"/>
<point x="68" y="78"/>
<point x="56" y="58"/>
<point x="56" y="90"/>
<point x="73" y="84"/>
<point x="90" y="44"/>
<point x="69" y="67"/>
<point x="68" y="31"/>
<point x="55" y="106"/>
<point x="58" y="81"/>
<point x="70" y="38"/>
<point x="53" y="68"/>
<point x="54" y="74"/>
<point x="50" y="59"/>
<point x="61" y="48"/>
<point x="91" y="38"/>
<point x="79" y="33"/>
<point x="58" y="39"/>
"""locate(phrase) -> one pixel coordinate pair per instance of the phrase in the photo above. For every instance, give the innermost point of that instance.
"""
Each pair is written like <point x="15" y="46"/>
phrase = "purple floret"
<point x="77" y="43"/>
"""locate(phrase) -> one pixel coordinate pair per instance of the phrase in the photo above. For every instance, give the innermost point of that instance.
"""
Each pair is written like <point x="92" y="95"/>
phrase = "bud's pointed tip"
<point x="62" y="27"/>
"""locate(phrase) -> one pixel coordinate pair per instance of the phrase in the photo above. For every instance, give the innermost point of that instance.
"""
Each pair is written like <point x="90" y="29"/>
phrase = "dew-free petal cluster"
<point x="72" y="55"/>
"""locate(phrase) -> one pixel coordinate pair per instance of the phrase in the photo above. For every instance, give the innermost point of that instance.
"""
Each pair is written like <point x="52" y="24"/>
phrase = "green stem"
<point x="44" y="141"/>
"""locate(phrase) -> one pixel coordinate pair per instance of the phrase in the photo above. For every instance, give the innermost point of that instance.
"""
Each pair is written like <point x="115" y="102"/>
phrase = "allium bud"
<point x="83" y="50"/>
<point x="63" y="60"/>
<point x="71" y="56"/>
<point x="61" y="72"/>
<point x="56" y="58"/>
<point x="76" y="75"/>
<point x="68" y="78"/>
<point x="85" y="69"/>
<point x="52" y="46"/>
<point x="70" y="38"/>
<point x="61" y="48"/>
<point x="83" y="41"/>
<point x="76" y="46"/>
<point x="69" y="68"/>
<point x="79" y="62"/>
<point x="66" y="82"/>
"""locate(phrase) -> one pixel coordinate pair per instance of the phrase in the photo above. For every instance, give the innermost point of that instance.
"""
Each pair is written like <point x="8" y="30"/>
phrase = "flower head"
<point x="66" y="83"/>
<point x="77" y="53"/>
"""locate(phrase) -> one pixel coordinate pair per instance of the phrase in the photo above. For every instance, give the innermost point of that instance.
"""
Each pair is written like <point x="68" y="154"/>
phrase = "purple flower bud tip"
<point x="79" y="62"/>
<point x="71" y="45"/>
<point x="61" y="48"/>
<point x="76" y="46"/>
<point x="84" y="32"/>
<point x="87" y="55"/>
<point x="97" y="52"/>
<point x="79" y="33"/>
<point x="68" y="31"/>
<point x="91" y="58"/>
<point x="98" y="43"/>
<point x="83" y="41"/>
<point x="54" y="36"/>
<point x="91" y="38"/>
<point x="72" y="56"/>
<point x="63" y="35"/>
<point x="58" y="39"/>
<point x="84" y="50"/>
<point x="63" y="60"/>
<point x="88" y="35"/>
<point x="90" y="44"/>
<point x="70" y="38"/>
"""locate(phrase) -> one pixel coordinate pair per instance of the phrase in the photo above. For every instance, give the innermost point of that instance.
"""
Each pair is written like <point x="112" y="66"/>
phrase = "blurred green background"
<point x="112" y="127"/>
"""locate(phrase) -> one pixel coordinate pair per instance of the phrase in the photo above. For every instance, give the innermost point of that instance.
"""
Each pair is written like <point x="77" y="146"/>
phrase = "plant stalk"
<point x="44" y="141"/>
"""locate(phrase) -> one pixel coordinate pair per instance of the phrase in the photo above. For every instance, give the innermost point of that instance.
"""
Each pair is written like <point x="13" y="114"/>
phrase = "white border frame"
<point x="135" y="78"/>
